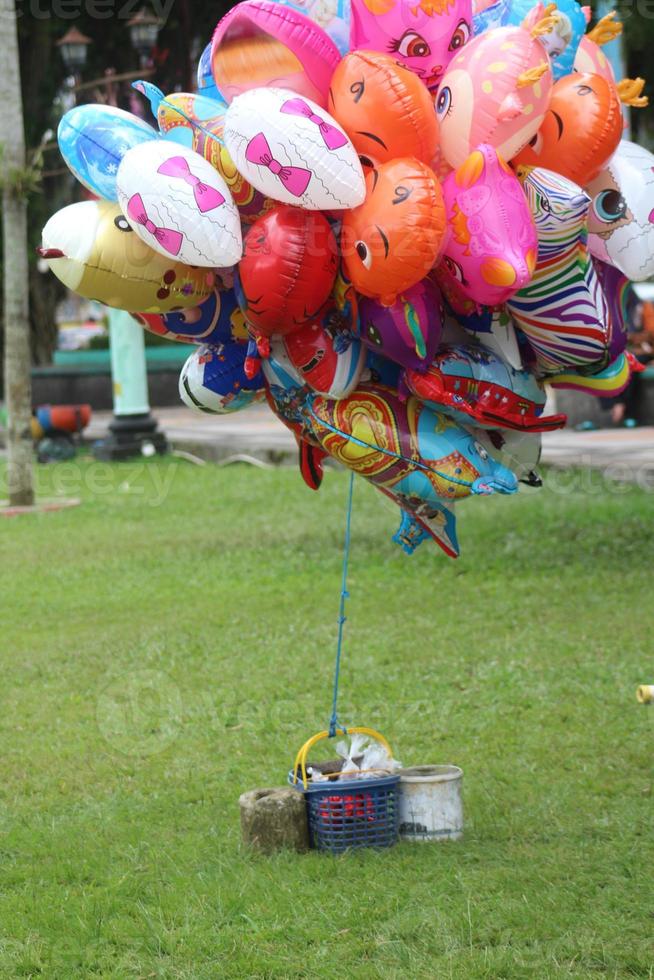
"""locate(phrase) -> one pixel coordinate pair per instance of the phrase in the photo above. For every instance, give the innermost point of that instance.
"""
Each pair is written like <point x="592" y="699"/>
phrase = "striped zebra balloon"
<point x="563" y="311"/>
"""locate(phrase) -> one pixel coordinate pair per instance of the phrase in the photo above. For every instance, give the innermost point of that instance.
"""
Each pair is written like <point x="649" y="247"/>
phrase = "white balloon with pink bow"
<point x="291" y="150"/>
<point x="179" y="204"/>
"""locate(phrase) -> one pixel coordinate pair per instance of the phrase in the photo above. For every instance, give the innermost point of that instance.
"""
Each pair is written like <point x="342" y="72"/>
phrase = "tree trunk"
<point x="18" y="387"/>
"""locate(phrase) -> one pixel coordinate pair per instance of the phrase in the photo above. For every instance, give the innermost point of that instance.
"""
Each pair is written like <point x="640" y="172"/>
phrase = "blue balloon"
<point x="574" y="27"/>
<point x="213" y="379"/>
<point x="93" y="139"/>
<point x="206" y="84"/>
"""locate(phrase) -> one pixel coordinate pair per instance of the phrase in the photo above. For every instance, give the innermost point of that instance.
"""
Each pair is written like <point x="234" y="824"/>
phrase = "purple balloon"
<point x="409" y="331"/>
<point x="621" y="298"/>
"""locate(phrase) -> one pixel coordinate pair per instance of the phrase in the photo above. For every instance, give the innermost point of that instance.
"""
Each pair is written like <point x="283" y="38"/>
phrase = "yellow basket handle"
<point x="301" y="757"/>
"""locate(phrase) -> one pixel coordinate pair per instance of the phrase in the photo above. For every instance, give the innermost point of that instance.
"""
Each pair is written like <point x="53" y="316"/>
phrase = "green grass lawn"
<point x="170" y="644"/>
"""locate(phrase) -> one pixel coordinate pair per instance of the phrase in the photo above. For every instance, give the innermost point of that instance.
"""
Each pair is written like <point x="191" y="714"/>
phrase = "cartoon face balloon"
<point x="93" y="139"/>
<point x="563" y="312"/>
<point x="177" y="203"/>
<point x="562" y="41"/>
<point x="293" y="151"/>
<point x="492" y="246"/>
<point x="581" y="130"/>
<point x="423" y="36"/>
<point x="391" y="241"/>
<point x="495" y="91"/>
<point x="409" y="331"/>
<point x="287" y="271"/>
<point x="218" y="320"/>
<point x="213" y="380"/>
<point x="259" y="43"/>
<point x="473" y="386"/>
<point x="92" y="249"/>
<point x="384" y="108"/>
<point x="621" y="219"/>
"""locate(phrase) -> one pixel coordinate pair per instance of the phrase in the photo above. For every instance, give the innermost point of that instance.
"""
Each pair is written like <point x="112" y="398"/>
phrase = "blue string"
<point x="389" y="452"/>
<point x="345" y="595"/>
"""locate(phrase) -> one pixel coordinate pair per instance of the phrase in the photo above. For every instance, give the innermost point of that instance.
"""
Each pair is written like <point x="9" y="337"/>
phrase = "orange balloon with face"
<point x="392" y="240"/>
<point x="581" y="130"/>
<point x="384" y="108"/>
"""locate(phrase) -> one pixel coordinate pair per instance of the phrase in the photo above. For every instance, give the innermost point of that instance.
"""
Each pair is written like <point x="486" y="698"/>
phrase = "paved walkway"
<point x="256" y="432"/>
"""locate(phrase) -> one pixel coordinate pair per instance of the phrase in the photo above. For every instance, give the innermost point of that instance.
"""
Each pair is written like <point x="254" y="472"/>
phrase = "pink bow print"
<point x="207" y="198"/>
<point x="333" y="138"/>
<point x="168" y="238"/>
<point x="295" y="179"/>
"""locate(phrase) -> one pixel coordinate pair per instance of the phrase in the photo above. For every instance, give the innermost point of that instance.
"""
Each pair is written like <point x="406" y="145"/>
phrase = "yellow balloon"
<point x="91" y="248"/>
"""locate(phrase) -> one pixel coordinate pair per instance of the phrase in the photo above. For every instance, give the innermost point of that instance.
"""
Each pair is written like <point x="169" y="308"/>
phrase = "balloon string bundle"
<point x="334" y="724"/>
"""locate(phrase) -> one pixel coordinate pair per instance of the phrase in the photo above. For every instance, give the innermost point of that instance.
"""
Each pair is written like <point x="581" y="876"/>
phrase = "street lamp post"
<point x="143" y="30"/>
<point x="132" y="429"/>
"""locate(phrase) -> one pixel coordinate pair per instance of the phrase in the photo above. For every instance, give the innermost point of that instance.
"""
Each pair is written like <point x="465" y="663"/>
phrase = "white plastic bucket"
<point x="431" y="807"/>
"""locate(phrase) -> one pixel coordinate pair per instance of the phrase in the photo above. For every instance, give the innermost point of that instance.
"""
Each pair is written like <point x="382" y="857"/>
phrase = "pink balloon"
<point x="495" y="91"/>
<point x="492" y="244"/>
<point x="423" y="35"/>
<point x="260" y="43"/>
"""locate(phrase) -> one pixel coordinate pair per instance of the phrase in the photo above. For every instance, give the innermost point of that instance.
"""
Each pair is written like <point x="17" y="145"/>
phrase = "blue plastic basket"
<point x="351" y="813"/>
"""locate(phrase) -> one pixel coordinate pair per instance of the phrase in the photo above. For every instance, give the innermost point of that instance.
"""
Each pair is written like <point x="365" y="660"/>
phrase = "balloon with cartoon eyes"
<point x="287" y="271"/>
<point x="423" y="36"/>
<point x="92" y="249"/>
<point x="391" y="241"/>
<point x="563" y="40"/>
<point x="495" y="91"/>
<point x="492" y="245"/>
<point x="621" y="219"/>
<point x="218" y="320"/>
<point x="384" y="108"/>
<point x="581" y="130"/>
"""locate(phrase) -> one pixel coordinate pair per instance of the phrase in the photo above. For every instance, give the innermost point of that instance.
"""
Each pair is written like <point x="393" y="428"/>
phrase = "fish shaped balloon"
<point x="217" y="320"/>
<point x="423" y="36"/>
<point x="93" y="139"/>
<point x="213" y="380"/>
<point x="409" y="331"/>
<point x="288" y="270"/>
<point x="420" y="457"/>
<point x="563" y="312"/>
<point x="581" y="129"/>
<point x="177" y="203"/>
<point x="384" y="108"/>
<point x="474" y="387"/>
<point x="495" y="91"/>
<point x="92" y="249"/>
<point x="621" y="219"/>
<point x="391" y="241"/>
<point x="492" y="246"/>
<point x="293" y="151"/>
<point x="259" y="43"/>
